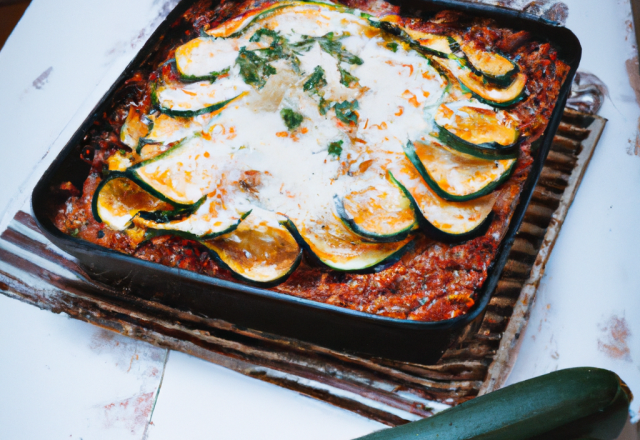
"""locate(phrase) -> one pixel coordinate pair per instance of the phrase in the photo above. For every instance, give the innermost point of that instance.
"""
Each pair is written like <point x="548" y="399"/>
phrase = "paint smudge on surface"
<point x="633" y="72"/>
<point x="132" y="413"/>
<point x="128" y="354"/>
<point x="40" y="81"/>
<point x="614" y="342"/>
<point x="123" y="46"/>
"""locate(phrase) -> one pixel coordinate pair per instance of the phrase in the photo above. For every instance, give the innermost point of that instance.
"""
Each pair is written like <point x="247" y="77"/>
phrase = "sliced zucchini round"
<point x="166" y="129"/>
<point x="443" y="220"/>
<point x="205" y="58"/>
<point x="423" y="42"/>
<point x="477" y="129"/>
<point x="236" y="27"/>
<point x="456" y="176"/>
<point x="330" y="242"/>
<point x="484" y="91"/>
<point x="438" y="45"/>
<point x="198" y="98"/>
<point x="493" y="95"/>
<point x="380" y="213"/>
<point x="212" y="217"/>
<point x="493" y="66"/>
<point x="118" y="199"/>
<point x="164" y="175"/>
<point x="260" y="251"/>
<point x="133" y="129"/>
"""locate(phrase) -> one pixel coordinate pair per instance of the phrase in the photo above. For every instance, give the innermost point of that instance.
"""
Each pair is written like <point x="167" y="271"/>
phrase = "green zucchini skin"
<point x="186" y="113"/>
<point x="273" y="9"/>
<point x="402" y="35"/>
<point x="378" y="238"/>
<point x="438" y="234"/>
<point x="457" y="54"/>
<point x="131" y="174"/>
<point x="504" y="104"/>
<point x="191" y="236"/>
<point x="576" y="403"/>
<point x="487" y="150"/>
<point x="169" y="216"/>
<point x="259" y="16"/>
<point x="378" y="267"/>
<point x="212" y="77"/>
<point x="266" y="284"/>
<point x="96" y="193"/>
<point x="502" y="80"/>
<point x="409" y="151"/>
<point x="166" y="216"/>
<point x="445" y="237"/>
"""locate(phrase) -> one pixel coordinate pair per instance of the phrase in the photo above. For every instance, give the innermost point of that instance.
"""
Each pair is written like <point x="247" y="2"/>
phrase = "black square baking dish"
<point x="289" y="316"/>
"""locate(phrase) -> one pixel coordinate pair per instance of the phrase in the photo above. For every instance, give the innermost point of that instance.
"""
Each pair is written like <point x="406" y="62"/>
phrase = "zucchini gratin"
<point x="337" y="152"/>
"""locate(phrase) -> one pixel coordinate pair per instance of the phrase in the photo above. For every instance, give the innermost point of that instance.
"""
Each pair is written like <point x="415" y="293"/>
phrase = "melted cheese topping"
<point x="216" y="215"/>
<point x="348" y="128"/>
<point x="204" y="56"/>
<point x="199" y="95"/>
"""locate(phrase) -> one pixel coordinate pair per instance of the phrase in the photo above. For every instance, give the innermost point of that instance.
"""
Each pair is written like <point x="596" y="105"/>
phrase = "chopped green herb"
<point x="345" y="111"/>
<point x="122" y="152"/>
<point x="264" y="32"/>
<point x="346" y="78"/>
<point x="313" y="84"/>
<point x="316" y="81"/>
<point x="392" y="46"/>
<point x="279" y="48"/>
<point x="291" y="119"/>
<point x="335" y="148"/>
<point x="253" y="68"/>
<point x="324" y="106"/>
<point x="331" y="45"/>
<point x="75" y="232"/>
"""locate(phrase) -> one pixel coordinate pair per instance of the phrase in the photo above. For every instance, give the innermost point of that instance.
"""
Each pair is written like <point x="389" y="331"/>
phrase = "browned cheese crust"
<point x="432" y="282"/>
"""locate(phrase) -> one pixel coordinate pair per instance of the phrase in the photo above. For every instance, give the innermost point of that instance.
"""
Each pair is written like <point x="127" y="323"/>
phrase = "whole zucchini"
<point x="576" y="403"/>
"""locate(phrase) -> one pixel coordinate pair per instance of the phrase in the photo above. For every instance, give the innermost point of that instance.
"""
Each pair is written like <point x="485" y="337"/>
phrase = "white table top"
<point x="61" y="378"/>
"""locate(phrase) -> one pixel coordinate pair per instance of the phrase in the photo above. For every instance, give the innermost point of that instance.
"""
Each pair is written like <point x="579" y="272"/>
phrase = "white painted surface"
<point x="203" y="401"/>
<point x="591" y="288"/>
<point x="65" y="379"/>
<point x="56" y="382"/>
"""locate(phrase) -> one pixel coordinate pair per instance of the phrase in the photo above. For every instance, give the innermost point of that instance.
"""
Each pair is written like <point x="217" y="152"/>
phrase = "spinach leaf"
<point x="316" y="81"/>
<point x="253" y="68"/>
<point x="280" y="48"/>
<point x="392" y="46"/>
<point x="345" y="111"/>
<point x="291" y="119"/>
<point x="313" y="86"/>
<point x="331" y="45"/>
<point x="335" y="148"/>
<point x="346" y="78"/>
<point x="324" y="106"/>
